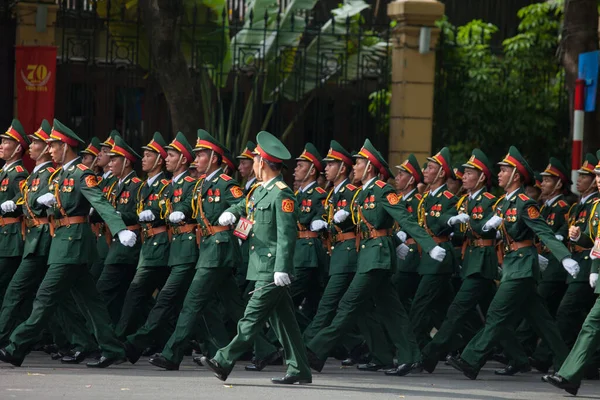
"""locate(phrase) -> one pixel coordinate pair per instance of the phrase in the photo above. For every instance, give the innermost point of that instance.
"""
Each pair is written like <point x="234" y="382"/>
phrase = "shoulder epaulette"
<point x="381" y="184"/>
<point x="164" y="181"/>
<point x="189" y="179"/>
<point x="18" y="168"/>
<point x="563" y="203"/>
<point x="448" y="194"/>
<point x="489" y="196"/>
<point x="523" y="197"/>
<point x="51" y="169"/>
<point x="225" y="177"/>
<point x="418" y="196"/>
<point x="319" y="190"/>
<point x="135" y="179"/>
<point x="281" y="185"/>
<point x="82" y="167"/>
<point x="351" y="187"/>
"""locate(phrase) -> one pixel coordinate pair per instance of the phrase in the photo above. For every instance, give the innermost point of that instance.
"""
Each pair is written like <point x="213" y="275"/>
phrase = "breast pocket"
<point x="263" y="214"/>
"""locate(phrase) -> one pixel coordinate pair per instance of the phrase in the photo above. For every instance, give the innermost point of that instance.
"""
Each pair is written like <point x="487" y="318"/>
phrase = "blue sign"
<point x="588" y="70"/>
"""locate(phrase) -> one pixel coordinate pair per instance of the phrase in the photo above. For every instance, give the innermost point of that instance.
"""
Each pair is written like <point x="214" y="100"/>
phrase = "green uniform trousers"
<point x="8" y="267"/>
<point x="406" y="284"/>
<point x="60" y="280"/>
<point x="514" y="299"/>
<point x="365" y="290"/>
<point x="240" y="277"/>
<point x="306" y="291"/>
<point x="139" y="298"/>
<point x="273" y="303"/>
<point x="429" y="306"/>
<point x="207" y="283"/>
<point x="97" y="266"/>
<point x="474" y="291"/>
<point x="585" y="347"/>
<point x="113" y="285"/>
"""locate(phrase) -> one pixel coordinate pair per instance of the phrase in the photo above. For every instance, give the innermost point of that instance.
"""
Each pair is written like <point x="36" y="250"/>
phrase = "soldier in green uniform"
<point x="271" y="212"/>
<point x="121" y="261"/>
<point x="435" y="214"/>
<point x="579" y="296"/>
<point x="480" y="263"/>
<point x="570" y="374"/>
<point x="152" y="269"/>
<point x="518" y="219"/>
<point x="245" y="160"/>
<point x="374" y="210"/>
<point x="12" y="176"/>
<point x="89" y="155"/>
<point x="73" y="188"/>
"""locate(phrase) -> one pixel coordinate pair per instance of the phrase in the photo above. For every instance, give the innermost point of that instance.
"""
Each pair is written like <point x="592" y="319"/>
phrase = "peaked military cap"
<point x="247" y="153"/>
<point x="311" y="154"/>
<point x="538" y="179"/>
<point x="459" y="171"/>
<point x="229" y="160"/>
<point x="206" y="141"/>
<point x="16" y="132"/>
<point x="93" y="148"/>
<point x="480" y="162"/>
<point x="60" y="133"/>
<point x="444" y="159"/>
<point x="557" y="169"/>
<point x="589" y="162"/>
<point x="157" y="145"/>
<point x="43" y="132"/>
<point x="110" y="140"/>
<point x="385" y="172"/>
<point x="181" y="144"/>
<point x="411" y="165"/>
<point x="270" y="148"/>
<point x="122" y="149"/>
<point x="337" y="152"/>
<point x="516" y="160"/>
<point x="597" y="169"/>
<point x="369" y="152"/>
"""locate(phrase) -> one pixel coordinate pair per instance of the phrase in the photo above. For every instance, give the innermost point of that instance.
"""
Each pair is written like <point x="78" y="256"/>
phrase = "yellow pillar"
<point x="413" y="74"/>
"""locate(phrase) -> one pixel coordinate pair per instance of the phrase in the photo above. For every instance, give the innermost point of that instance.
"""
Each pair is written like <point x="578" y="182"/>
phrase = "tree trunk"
<point x="580" y="35"/>
<point x="161" y="21"/>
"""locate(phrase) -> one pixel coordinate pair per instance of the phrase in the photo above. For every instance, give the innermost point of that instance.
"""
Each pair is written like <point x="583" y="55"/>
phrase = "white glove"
<point x="317" y="225"/>
<point x="281" y="279"/>
<point x="227" y="218"/>
<point x="437" y="253"/>
<point x="147" y="216"/>
<point x="340" y="216"/>
<point x="47" y="200"/>
<point x="402" y="251"/>
<point x="127" y="238"/>
<point x="560" y="238"/>
<point x="571" y="266"/>
<point x="492" y="223"/>
<point x="543" y="262"/>
<point x="402" y="236"/>
<point x="458" y="219"/>
<point x="593" y="279"/>
<point x="91" y="211"/>
<point x="176" y="217"/>
<point x="8" y="206"/>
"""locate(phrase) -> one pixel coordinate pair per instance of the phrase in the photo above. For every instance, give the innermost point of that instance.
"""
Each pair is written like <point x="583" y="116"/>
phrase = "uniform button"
<point x="54" y="235"/>
<point x="114" y="240"/>
<point x="347" y="248"/>
<point x="380" y="244"/>
<point x="310" y="243"/>
<point x="70" y="238"/>
<point x="585" y="258"/>
<point x="155" y="244"/>
<point x="217" y="241"/>
<point x="332" y="247"/>
<point x="269" y="255"/>
<point x="28" y="230"/>
<point x="190" y="237"/>
<point x="520" y="255"/>
<point x="362" y="247"/>
<point x="252" y="248"/>
<point x="252" y="235"/>
<point x="410" y="249"/>
<point x="173" y="239"/>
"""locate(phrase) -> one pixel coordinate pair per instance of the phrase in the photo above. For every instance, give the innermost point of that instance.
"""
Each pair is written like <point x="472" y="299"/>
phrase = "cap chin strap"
<point x="365" y="171"/>
<point x="155" y="162"/>
<point x="45" y="151"/>
<point x="94" y="163"/>
<point x="260" y="170"/>
<point x="512" y="175"/>
<point x="212" y="153"/>
<point x="480" y="183"/>
<point x="15" y="151"/>
<point x="123" y="168"/>
<point x="312" y="166"/>
<point x="64" y="153"/>
<point x="410" y="182"/>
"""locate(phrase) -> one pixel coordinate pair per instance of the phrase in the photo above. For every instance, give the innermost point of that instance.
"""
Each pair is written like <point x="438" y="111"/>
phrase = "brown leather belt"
<point x="514" y="246"/>
<point x="307" y="235"/>
<point x="133" y="227"/>
<point x="201" y="232"/>
<point x="482" y="242"/>
<point x="440" y="239"/>
<point x="375" y="233"/>
<point x="33" y="222"/>
<point x="579" y="249"/>
<point x="410" y="241"/>
<point x="68" y="221"/>
<point x="149" y="231"/>
<point x="181" y="229"/>
<point x="9" y="221"/>
<point x="342" y="237"/>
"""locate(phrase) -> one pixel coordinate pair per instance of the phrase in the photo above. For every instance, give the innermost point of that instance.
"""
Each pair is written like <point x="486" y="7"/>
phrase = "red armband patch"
<point x="236" y="191"/>
<point x="287" y="205"/>
<point x="91" y="181"/>
<point x="392" y="198"/>
<point x="533" y="212"/>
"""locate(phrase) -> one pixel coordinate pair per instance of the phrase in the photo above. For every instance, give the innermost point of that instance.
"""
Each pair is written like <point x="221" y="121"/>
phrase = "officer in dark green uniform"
<point x="371" y="210"/>
<point x="73" y="188"/>
<point x="121" y="261"/>
<point x="245" y="160"/>
<point x="14" y="144"/>
<point x="271" y="212"/>
<point x="89" y="155"/>
<point x="435" y="214"/>
<point x="518" y="219"/>
<point x="570" y="374"/>
<point x="152" y="269"/>
<point x="480" y="263"/>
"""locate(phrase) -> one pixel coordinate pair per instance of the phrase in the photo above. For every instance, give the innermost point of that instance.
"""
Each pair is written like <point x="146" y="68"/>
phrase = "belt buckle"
<point x="176" y="230"/>
<point x="204" y="231"/>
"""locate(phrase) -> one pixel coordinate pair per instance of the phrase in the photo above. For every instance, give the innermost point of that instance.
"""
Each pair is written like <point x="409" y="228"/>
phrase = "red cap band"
<point x="266" y="156"/>
<point x="63" y="138"/>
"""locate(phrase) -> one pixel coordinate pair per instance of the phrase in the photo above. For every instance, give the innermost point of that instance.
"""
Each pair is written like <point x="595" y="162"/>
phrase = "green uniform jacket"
<point x="373" y="207"/>
<point x="593" y="231"/>
<point x="434" y="213"/>
<point x="522" y="221"/>
<point x="343" y="254"/>
<point x="11" y="178"/>
<point x="178" y="196"/>
<point x="556" y="216"/>
<point x="480" y="260"/>
<point x="309" y="252"/>
<point x="212" y="198"/>
<point x="274" y="212"/>
<point x="412" y="260"/>
<point x="155" y="249"/>
<point x="37" y="239"/>
<point x="579" y="216"/>
<point x="76" y="189"/>
<point x="123" y="199"/>
<point x="244" y="248"/>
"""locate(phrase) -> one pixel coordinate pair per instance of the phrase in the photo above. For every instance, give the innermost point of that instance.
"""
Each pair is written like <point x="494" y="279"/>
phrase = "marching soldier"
<point x="89" y="156"/>
<point x="518" y="219"/>
<point x="120" y="263"/>
<point x="14" y="144"/>
<point x="73" y="188"/>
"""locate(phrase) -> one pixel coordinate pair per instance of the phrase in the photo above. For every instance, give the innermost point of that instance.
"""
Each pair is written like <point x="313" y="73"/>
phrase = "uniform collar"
<point x="106" y="174"/>
<point x="307" y="187"/>
<point x="250" y="182"/>
<point x="409" y="194"/>
<point x="127" y="176"/>
<point x="67" y="165"/>
<point x="474" y="195"/>
<point x="366" y="185"/>
<point x="154" y="178"/>
<point x="7" y="166"/>
<point x="437" y="190"/>
<point x="265" y="184"/>
<point x="552" y="200"/>
<point x="337" y="188"/>
<point x="584" y="199"/>
<point x="176" y="178"/>
<point x="40" y="166"/>
<point x="510" y="196"/>
<point x="212" y="174"/>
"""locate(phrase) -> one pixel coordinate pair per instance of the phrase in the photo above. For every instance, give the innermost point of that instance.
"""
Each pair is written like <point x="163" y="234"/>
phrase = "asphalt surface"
<point x="42" y="378"/>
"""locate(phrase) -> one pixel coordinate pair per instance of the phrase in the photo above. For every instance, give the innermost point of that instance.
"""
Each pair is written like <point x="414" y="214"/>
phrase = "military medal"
<point x="217" y="195"/>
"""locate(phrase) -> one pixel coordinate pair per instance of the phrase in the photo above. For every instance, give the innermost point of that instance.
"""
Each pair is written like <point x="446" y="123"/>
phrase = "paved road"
<point x="41" y="378"/>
